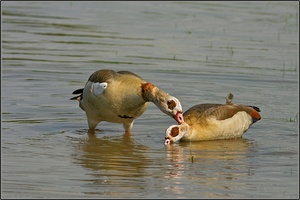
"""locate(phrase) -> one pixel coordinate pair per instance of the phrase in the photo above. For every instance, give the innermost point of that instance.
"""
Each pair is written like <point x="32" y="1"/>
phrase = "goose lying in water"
<point x="121" y="97"/>
<point x="213" y="121"/>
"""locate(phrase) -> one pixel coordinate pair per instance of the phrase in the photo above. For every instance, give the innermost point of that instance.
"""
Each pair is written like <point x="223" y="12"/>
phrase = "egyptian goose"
<point x="213" y="121"/>
<point x="121" y="97"/>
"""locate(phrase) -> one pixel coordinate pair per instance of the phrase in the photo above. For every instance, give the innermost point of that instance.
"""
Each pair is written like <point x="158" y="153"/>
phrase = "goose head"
<point x="172" y="107"/>
<point x="176" y="132"/>
<point x="168" y="104"/>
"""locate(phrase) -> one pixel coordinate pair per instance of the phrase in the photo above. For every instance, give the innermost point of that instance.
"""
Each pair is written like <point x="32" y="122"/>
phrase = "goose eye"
<point x="171" y="104"/>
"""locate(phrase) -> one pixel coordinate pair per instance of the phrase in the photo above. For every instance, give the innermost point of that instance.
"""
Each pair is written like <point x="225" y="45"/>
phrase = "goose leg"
<point x="127" y="127"/>
<point x="92" y="124"/>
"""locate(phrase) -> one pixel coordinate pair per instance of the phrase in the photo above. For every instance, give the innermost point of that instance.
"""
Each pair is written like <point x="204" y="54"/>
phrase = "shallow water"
<point x="196" y="51"/>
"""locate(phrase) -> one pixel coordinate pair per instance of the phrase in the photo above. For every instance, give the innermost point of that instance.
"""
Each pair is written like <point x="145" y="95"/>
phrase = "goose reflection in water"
<point x="229" y="149"/>
<point x="112" y="153"/>
<point x="112" y="159"/>
<point x="215" y="165"/>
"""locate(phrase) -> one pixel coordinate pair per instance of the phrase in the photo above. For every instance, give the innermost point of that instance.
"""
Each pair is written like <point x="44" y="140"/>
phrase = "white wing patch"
<point x="98" y="88"/>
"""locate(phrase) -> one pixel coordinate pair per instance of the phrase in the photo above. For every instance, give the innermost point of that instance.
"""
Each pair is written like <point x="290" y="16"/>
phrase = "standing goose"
<point x="213" y="121"/>
<point x="121" y="97"/>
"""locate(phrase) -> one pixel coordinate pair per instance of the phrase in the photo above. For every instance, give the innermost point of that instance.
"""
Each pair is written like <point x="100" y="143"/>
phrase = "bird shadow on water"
<point x="112" y="163"/>
<point x="207" y="155"/>
<point x="211" y="149"/>
<point x="114" y="160"/>
<point x="109" y="154"/>
<point x="212" y="165"/>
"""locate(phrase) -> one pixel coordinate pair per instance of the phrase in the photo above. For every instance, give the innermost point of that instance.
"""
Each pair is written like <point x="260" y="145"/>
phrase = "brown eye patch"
<point x="174" y="131"/>
<point x="171" y="104"/>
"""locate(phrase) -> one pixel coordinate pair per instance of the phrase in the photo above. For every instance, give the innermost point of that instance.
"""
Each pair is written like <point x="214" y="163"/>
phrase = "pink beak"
<point x="179" y="117"/>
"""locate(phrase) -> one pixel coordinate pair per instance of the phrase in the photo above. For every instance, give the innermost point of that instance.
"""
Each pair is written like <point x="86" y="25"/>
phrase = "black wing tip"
<point x="255" y="108"/>
<point x="78" y="91"/>
<point x="229" y="98"/>
<point x="79" y="97"/>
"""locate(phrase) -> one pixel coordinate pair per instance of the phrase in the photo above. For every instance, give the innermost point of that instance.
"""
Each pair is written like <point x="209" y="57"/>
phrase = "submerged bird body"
<point x="121" y="97"/>
<point x="213" y="121"/>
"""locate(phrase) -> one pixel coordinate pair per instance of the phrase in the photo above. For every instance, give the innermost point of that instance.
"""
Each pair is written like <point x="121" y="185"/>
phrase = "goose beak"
<point x="179" y="117"/>
<point x="169" y="141"/>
